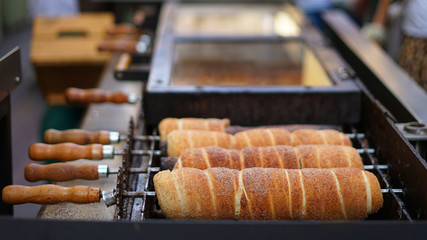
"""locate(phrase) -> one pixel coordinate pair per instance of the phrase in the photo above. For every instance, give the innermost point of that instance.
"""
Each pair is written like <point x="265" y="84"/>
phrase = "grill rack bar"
<point x="140" y="152"/>
<point x="149" y="170"/>
<point x="377" y="168"/>
<point x="107" y="196"/>
<point x="153" y="137"/>
<point x="153" y="193"/>
<point x="142" y="138"/>
<point x="157" y="169"/>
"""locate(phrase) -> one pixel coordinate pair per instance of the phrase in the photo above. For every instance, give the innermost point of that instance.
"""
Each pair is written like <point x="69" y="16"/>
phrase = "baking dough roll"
<point x="304" y="156"/>
<point x="179" y="140"/>
<point x="312" y="136"/>
<point x="268" y="193"/>
<point x="167" y="125"/>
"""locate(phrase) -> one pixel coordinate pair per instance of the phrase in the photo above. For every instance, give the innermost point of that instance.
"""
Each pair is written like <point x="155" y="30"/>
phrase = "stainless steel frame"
<point x="241" y="103"/>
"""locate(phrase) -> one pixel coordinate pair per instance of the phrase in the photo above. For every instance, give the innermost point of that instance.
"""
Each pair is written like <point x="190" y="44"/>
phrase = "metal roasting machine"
<point x="201" y="66"/>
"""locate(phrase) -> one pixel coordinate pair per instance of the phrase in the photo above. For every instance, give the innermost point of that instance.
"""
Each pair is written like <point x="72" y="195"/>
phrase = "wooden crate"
<point x="64" y="52"/>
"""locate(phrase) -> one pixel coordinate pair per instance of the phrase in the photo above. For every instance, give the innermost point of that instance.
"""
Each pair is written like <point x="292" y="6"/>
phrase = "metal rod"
<point x="142" y="138"/>
<point x="139" y="194"/>
<point x="159" y="152"/>
<point x="140" y="152"/>
<point x="157" y="169"/>
<point x="366" y="150"/>
<point x="394" y="190"/>
<point x="355" y="135"/>
<point x="136" y="170"/>
<point x="146" y="152"/>
<point x="146" y="138"/>
<point x="382" y="177"/>
<point x="153" y="193"/>
<point x="371" y="167"/>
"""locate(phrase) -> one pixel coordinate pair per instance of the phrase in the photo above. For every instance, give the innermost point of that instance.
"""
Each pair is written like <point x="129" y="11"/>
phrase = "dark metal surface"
<point x="10" y="72"/>
<point x="10" y="77"/>
<point x="6" y="152"/>
<point x="400" y="94"/>
<point x="304" y="106"/>
<point x="406" y="167"/>
<point x="169" y="229"/>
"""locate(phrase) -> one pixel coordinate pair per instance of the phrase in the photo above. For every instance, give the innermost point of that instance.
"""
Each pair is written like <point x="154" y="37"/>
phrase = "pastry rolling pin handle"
<point x="80" y="136"/>
<point x="69" y="151"/>
<point x="50" y="194"/>
<point x="119" y="45"/>
<point x="60" y="172"/>
<point x="83" y="96"/>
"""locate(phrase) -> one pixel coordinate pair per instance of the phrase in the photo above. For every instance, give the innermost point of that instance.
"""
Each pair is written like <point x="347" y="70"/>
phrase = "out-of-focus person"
<point x="413" y="50"/>
<point x="413" y="53"/>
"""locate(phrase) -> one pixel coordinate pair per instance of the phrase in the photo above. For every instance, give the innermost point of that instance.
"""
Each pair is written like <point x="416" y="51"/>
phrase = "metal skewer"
<point x="110" y="137"/>
<point x="59" y="172"/>
<point x="16" y="194"/>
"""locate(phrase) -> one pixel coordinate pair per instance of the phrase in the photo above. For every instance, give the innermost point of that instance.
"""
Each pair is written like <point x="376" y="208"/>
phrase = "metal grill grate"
<point x="393" y="208"/>
<point x="140" y="202"/>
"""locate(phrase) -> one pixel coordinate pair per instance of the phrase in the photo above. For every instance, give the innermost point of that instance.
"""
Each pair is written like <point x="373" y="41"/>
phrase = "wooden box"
<point x="64" y="52"/>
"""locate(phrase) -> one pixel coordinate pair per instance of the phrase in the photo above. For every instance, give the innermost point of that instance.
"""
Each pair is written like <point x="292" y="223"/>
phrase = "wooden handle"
<point x="77" y="136"/>
<point x="119" y="45"/>
<point x="60" y="172"/>
<point x="124" y="62"/>
<point x="65" y="152"/>
<point x="17" y="194"/>
<point x="75" y="95"/>
<point x="123" y="29"/>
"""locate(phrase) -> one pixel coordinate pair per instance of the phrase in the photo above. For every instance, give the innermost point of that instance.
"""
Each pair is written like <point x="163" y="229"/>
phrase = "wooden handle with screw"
<point x="43" y="194"/>
<point x="77" y="136"/>
<point x="76" y="95"/>
<point x="65" y="152"/>
<point x="60" y="172"/>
